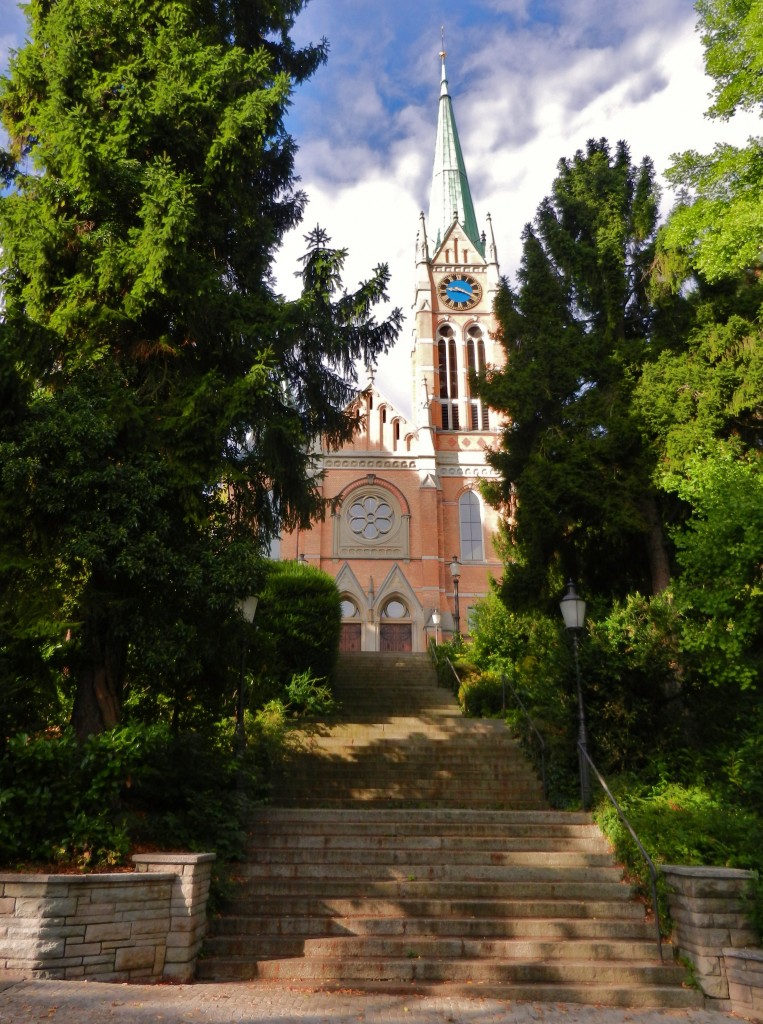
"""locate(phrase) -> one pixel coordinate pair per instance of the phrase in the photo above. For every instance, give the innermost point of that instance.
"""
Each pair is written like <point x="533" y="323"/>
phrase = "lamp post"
<point x="573" y="612"/>
<point x="455" y="572"/>
<point x="436" y="624"/>
<point x="246" y="606"/>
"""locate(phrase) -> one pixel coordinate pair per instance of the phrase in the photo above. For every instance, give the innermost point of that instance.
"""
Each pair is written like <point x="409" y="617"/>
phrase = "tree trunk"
<point x="659" y="562"/>
<point x="100" y="678"/>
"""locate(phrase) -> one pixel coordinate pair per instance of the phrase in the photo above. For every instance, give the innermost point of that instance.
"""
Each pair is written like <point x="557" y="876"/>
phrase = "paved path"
<point x="74" y="1002"/>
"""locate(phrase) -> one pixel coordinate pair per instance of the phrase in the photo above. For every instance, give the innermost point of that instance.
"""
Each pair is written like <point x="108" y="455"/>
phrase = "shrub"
<point x="298" y="623"/>
<point x="481" y="694"/>
<point x="682" y="824"/>
<point x="310" y="696"/>
<point x="62" y="803"/>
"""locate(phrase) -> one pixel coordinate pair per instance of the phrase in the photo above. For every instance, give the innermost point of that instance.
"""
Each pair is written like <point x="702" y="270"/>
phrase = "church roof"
<point x="450" y="193"/>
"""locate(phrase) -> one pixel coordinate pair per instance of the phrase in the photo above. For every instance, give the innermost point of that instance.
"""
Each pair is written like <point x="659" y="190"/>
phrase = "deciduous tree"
<point x="720" y="220"/>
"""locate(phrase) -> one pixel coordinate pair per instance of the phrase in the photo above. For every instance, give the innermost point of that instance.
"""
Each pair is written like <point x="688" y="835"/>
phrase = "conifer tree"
<point x="572" y="464"/>
<point x="159" y="400"/>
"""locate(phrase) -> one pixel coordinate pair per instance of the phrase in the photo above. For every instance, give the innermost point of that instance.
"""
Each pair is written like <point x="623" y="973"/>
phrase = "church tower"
<point x="457" y="278"/>
<point x="410" y="535"/>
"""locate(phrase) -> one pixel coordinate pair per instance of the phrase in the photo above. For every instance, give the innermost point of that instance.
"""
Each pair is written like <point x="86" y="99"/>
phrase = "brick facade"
<point x="405" y="493"/>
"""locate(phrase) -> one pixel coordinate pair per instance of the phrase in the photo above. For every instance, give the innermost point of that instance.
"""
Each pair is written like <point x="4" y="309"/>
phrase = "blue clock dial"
<point x="460" y="291"/>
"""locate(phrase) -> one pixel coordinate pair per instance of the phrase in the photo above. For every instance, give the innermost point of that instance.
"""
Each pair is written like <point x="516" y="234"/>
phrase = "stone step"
<point x="474" y="971"/>
<point x="420" y="853"/>
<point x="421" y="888"/>
<point x="411" y="855"/>
<point x="384" y="800"/>
<point x="365" y="867"/>
<point x="313" y="844"/>
<point x="421" y="946"/>
<point x="592" y="994"/>
<point x="510" y="926"/>
<point x="449" y="907"/>
<point x="541" y="822"/>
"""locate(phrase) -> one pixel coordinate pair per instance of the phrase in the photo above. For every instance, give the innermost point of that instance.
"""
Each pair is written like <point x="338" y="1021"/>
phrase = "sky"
<point x="531" y="81"/>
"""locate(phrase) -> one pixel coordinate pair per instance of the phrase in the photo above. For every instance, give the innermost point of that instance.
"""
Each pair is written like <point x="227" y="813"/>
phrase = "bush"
<point x="86" y="806"/>
<point x="297" y="625"/>
<point x="60" y="803"/>
<point x="481" y="694"/>
<point x="681" y="824"/>
<point x="310" y="696"/>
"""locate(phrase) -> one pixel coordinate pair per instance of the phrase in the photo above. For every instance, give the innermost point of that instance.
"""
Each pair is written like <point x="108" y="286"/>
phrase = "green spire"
<point x="450" y="187"/>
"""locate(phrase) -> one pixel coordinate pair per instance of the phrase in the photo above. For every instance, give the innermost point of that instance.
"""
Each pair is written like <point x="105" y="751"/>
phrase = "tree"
<point x="160" y="401"/>
<point x="720" y="220"/>
<point x="572" y="464"/>
<point x="720" y="588"/>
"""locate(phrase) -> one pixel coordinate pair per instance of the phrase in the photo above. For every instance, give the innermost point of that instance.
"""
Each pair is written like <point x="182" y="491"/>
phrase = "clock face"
<point x="460" y="291"/>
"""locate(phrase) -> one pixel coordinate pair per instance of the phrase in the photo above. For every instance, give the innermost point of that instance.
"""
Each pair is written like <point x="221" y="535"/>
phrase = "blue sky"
<point x="532" y="80"/>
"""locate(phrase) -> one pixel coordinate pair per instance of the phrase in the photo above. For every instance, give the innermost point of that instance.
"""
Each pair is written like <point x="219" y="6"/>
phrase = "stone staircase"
<point x="409" y="848"/>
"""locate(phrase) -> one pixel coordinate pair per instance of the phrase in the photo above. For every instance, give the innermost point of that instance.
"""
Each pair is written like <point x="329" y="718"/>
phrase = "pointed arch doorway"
<point x="350" y="637"/>
<point x="396" y="627"/>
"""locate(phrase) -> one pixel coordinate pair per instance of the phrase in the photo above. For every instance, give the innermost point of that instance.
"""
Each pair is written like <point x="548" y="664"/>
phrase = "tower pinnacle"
<point x="450" y="196"/>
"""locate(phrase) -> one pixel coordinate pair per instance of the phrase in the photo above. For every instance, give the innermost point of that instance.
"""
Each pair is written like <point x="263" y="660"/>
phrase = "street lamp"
<point x="246" y="606"/>
<point x="436" y="624"/>
<point x="455" y="572"/>
<point x="573" y="612"/>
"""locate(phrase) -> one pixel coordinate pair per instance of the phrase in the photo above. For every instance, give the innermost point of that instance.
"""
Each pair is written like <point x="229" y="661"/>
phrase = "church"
<point x="409" y="538"/>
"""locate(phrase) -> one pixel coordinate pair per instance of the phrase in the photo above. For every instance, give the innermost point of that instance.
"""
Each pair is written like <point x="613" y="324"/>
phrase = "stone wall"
<point x="711" y="929"/>
<point x="109" y="927"/>
<point x="744" y="970"/>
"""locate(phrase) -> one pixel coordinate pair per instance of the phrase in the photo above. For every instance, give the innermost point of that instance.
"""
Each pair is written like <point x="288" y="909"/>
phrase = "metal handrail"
<point x="644" y="854"/>
<point x="456" y="676"/>
<point x="505" y="681"/>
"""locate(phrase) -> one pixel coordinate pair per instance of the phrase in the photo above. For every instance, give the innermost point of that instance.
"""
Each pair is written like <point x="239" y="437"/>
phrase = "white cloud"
<point x="524" y="100"/>
<point x="526" y="93"/>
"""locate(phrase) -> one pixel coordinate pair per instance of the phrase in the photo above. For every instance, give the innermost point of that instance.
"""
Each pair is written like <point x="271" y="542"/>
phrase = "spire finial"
<point x="443" y="73"/>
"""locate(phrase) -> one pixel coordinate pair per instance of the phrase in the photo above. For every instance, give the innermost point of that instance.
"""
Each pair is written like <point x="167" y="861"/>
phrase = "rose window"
<point x="370" y="518"/>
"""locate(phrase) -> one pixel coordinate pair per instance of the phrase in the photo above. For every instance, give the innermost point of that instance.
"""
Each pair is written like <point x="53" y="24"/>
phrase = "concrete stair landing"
<point x="410" y="848"/>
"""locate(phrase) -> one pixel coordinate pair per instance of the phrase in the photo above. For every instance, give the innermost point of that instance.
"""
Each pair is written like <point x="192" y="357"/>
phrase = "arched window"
<point x="475" y="358"/>
<point x="394" y="609"/>
<point x="447" y="371"/>
<point x="349" y="608"/>
<point x="470" y="520"/>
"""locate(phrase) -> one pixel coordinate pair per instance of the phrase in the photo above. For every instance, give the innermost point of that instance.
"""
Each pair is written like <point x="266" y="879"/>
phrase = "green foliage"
<point x="60" y="802"/>
<point x="573" y="470"/>
<point x="631" y="683"/>
<point x="720" y="590"/>
<point x="681" y="824"/>
<point x="705" y="383"/>
<point x="87" y="804"/>
<point x="297" y="625"/>
<point x="159" y="402"/>
<point x="719" y="223"/>
<point x="482" y="695"/>
<point x="683" y="758"/>
<point x="310" y="696"/>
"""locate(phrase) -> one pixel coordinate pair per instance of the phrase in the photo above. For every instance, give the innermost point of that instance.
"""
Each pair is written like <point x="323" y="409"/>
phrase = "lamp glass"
<point x="435" y="618"/>
<point x="455" y="568"/>
<point x="247" y="606"/>
<point x="572" y="608"/>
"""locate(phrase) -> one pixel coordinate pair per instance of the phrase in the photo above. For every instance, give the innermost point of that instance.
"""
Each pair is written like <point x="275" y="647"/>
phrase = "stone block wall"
<point x="744" y="970"/>
<point x="711" y="929"/>
<point x="110" y="927"/>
